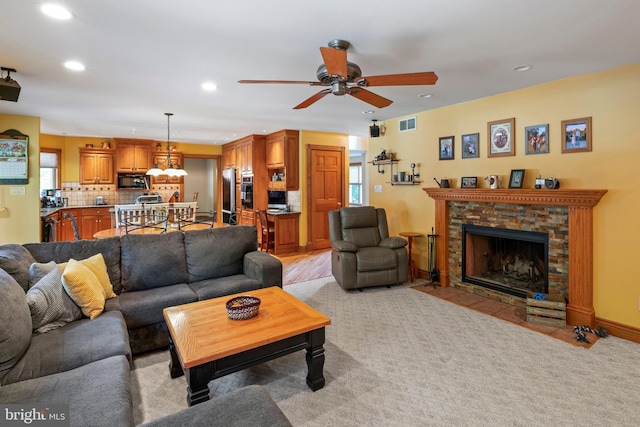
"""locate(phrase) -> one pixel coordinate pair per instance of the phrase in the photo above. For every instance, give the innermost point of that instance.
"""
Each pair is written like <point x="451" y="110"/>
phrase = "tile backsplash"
<point x="85" y="195"/>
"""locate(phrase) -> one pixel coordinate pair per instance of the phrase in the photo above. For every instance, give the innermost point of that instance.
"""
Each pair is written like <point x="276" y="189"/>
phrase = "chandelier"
<point x="171" y="168"/>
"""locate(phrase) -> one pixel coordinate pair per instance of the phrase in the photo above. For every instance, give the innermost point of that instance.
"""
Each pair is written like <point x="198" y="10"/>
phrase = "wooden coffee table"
<point x="205" y="344"/>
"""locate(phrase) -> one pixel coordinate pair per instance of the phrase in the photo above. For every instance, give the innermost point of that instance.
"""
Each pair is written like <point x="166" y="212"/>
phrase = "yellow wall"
<point x="22" y="224"/>
<point x="610" y="97"/>
<point x="315" y="138"/>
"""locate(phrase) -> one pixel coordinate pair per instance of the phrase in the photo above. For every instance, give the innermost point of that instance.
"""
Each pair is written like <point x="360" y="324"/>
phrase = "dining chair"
<point x="146" y="215"/>
<point x="182" y="214"/>
<point x="267" y="231"/>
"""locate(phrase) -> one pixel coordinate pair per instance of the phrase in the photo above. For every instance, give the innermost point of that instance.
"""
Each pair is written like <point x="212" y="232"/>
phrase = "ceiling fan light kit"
<point x="345" y="78"/>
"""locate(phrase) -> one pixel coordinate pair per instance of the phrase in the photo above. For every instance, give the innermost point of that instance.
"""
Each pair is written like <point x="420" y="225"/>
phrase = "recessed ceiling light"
<point x="208" y="86"/>
<point x="56" y="11"/>
<point x="522" y="68"/>
<point x="368" y="112"/>
<point x="425" y="95"/>
<point x="74" y="65"/>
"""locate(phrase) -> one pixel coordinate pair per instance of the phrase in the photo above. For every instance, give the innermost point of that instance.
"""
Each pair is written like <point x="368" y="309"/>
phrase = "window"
<point x="49" y="168"/>
<point x="355" y="183"/>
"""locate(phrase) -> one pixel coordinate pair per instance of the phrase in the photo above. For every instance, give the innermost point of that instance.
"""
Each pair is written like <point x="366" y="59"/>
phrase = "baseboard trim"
<point x="620" y="330"/>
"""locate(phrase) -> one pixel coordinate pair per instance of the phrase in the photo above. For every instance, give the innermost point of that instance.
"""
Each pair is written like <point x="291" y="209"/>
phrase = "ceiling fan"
<point x="345" y="78"/>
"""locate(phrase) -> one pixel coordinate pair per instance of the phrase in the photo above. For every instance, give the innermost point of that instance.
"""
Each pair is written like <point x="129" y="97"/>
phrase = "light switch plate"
<point x="17" y="191"/>
<point x="377" y="188"/>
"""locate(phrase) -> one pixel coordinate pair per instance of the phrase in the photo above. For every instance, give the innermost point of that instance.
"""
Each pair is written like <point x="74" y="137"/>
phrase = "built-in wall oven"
<point x="246" y="191"/>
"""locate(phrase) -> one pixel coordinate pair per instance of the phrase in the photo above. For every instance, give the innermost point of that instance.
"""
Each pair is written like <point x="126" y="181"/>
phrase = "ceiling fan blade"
<point x="318" y="96"/>
<point x="335" y="60"/>
<point x="370" y="97"/>
<point x="426" y="78"/>
<point x="286" y="82"/>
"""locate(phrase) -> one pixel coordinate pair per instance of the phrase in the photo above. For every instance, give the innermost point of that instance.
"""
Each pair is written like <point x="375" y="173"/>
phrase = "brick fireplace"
<point x="565" y="215"/>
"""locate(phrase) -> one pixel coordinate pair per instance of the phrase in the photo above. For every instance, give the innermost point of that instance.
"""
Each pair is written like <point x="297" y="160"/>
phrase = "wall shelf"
<point x="382" y="163"/>
<point x="415" y="182"/>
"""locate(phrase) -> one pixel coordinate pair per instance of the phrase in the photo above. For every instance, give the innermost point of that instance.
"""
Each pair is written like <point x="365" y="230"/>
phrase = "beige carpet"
<point x="397" y="357"/>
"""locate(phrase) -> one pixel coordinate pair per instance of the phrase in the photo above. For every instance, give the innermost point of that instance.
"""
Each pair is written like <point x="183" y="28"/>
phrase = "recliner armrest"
<point x="344" y="246"/>
<point x="393" y="242"/>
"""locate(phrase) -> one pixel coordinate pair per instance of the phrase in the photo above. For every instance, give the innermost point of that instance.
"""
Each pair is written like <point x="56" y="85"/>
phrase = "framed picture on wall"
<point x="517" y="178"/>
<point x="501" y="139"/>
<point x="469" y="182"/>
<point x="536" y="139"/>
<point x="446" y="147"/>
<point x="576" y="135"/>
<point x="471" y="146"/>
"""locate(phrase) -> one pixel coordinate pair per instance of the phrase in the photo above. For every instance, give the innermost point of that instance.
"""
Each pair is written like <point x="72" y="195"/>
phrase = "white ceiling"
<point x="148" y="57"/>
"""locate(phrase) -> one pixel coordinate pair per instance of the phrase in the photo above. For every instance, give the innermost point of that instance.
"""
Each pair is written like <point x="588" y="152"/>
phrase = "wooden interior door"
<point x="325" y="171"/>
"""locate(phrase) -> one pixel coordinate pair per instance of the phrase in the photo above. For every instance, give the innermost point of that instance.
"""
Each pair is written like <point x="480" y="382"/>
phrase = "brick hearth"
<point x="567" y="215"/>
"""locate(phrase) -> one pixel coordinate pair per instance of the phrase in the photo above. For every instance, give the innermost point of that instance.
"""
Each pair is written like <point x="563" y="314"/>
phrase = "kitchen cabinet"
<point x="244" y="157"/>
<point x="133" y="155"/>
<point x="160" y="159"/>
<point x="247" y="217"/>
<point x="93" y="220"/>
<point x="228" y="156"/>
<point x="96" y="166"/>
<point x="286" y="232"/>
<point x="65" y="229"/>
<point x="282" y="157"/>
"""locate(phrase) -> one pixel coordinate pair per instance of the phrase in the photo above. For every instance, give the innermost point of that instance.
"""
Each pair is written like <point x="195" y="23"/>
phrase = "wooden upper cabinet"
<point x="96" y="166"/>
<point x="133" y="155"/>
<point x="282" y="157"/>
<point x="228" y="156"/>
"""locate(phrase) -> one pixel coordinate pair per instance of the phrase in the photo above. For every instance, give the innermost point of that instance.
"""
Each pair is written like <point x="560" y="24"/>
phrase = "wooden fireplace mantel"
<point x="580" y="309"/>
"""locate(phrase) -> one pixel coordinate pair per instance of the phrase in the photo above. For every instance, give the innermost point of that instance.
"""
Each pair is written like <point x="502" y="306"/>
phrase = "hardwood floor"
<point x="305" y="266"/>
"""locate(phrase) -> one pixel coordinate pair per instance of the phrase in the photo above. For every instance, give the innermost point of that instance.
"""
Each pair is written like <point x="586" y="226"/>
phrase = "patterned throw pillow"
<point x="49" y="304"/>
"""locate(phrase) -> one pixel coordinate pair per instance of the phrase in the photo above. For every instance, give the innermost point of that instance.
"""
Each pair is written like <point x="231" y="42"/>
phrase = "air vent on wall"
<point x="406" y="125"/>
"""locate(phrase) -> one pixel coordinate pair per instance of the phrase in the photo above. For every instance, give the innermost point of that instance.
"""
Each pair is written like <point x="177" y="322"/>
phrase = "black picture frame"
<point x="516" y="180"/>
<point x="446" y="147"/>
<point x="471" y="146"/>
<point x="469" y="182"/>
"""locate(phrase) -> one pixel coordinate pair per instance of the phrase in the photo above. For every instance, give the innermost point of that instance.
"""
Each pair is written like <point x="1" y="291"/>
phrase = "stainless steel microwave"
<point x="133" y="181"/>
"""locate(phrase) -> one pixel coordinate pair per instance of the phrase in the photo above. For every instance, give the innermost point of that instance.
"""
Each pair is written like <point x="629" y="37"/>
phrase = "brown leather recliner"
<point x="363" y="254"/>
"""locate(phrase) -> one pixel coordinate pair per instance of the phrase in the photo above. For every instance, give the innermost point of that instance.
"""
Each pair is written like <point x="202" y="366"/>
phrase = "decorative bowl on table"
<point x="243" y="307"/>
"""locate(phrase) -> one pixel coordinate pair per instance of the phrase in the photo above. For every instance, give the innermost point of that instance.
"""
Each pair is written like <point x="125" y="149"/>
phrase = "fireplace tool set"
<point x="434" y="274"/>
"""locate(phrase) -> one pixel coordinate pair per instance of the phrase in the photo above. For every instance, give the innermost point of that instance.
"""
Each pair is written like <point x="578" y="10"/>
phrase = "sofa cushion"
<point x="49" y="304"/>
<point x="38" y="270"/>
<point x="75" y="344"/>
<point x="214" y="288"/>
<point x="15" y="318"/>
<point x="372" y="259"/>
<point x="248" y="406"/>
<point x="16" y="260"/>
<point x="152" y="261"/>
<point x="143" y="308"/>
<point x="218" y="252"/>
<point x="84" y="288"/>
<point x="82" y="249"/>
<point x="98" y="393"/>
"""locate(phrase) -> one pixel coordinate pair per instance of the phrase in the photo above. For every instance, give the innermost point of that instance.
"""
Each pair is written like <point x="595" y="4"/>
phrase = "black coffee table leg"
<point x="175" y="369"/>
<point x="315" y="359"/>
<point x="198" y="379"/>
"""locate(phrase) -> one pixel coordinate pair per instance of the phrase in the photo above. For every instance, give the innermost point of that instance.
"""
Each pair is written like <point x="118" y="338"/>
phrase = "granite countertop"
<point x="281" y="212"/>
<point x="48" y="211"/>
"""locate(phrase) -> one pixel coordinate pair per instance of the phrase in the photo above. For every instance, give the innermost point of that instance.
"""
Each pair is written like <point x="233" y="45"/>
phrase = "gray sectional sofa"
<point x="86" y="363"/>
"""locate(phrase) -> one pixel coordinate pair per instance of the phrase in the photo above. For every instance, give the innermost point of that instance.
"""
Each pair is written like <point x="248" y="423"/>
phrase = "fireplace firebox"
<point x="505" y="260"/>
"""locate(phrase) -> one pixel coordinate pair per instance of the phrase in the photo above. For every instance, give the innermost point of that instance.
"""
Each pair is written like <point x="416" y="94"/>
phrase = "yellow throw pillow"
<point x="98" y="267"/>
<point x="84" y="288"/>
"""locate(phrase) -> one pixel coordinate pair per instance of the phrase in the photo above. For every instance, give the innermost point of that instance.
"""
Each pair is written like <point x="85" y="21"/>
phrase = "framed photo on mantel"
<point x="500" y="137"/>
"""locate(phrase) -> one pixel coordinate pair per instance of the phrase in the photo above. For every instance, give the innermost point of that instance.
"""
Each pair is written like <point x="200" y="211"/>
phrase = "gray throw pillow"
<point x="49" y="304"/>
<point x="38" y="270"/>
<point x="16" y="259"/>
<point x="15" y="318"/>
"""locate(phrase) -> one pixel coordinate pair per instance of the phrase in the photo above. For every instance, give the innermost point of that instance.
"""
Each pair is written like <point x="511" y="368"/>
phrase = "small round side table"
<point x="412" y="266"/>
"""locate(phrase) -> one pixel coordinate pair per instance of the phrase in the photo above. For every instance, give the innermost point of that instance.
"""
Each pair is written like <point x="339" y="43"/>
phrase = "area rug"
<point x="397" y="357"/>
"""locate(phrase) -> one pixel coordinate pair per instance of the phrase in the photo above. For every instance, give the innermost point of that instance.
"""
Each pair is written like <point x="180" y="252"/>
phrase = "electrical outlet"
<point x="4" y="213"/>
<point x="17" y="191"/>
<point x="377" y="188"/>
